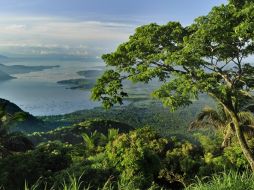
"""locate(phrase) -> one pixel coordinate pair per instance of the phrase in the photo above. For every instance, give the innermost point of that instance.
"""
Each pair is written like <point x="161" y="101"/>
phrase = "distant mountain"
<point x="55" y="57"/>
<point x="4" y="76"/>
<point x="19" y="69"/>
<point x="25" y="122"/>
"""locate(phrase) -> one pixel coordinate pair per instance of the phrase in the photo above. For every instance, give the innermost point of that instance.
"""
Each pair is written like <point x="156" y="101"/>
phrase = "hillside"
<point x="10" y="112"/>
<point x="72" y="134"/>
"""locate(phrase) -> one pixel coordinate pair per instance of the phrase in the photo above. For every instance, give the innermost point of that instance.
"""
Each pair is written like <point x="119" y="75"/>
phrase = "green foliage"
<point x="112" y="134"/>
<point x="76" y="184"/>
<point x="13" y="142"/>
<point x="43" y="162"/>
<point x="143" y="157"/>
<point x="227" y="180"/>
<point x="235" y="158"/>
<point x="139" y="159"/>
<point x="136" y="156"/>
<point x="137" y="114"/>
<point x="217" y="159"/>
<point x="189" y="56"/>
<point x="90" y="140"/>
<point x="15" y="119"/>
<point x="208" y="144"/>
<point x="87" y="175"/>
<point x="112" y="89"/>
<point x="182" y="161"/>
<point x="207" y="57"/>
<point x="73" y="134"/>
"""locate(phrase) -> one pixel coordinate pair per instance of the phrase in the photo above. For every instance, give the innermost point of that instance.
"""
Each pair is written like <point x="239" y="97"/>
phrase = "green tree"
<point x="208" y="56"/>
<point x="136" y="156"/>
<point x="219" y="120"/>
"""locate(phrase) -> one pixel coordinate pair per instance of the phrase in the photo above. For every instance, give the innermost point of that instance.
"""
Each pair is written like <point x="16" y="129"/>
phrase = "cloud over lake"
<point x="54" y="35"/>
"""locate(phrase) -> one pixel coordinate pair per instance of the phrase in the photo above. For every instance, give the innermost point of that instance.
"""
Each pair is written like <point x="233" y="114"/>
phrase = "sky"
<point x="85" y="28"/>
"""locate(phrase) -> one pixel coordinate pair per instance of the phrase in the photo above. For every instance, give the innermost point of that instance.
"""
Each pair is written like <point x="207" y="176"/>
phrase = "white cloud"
<point x="15" y="27"/>
<point x="58" y="34"/>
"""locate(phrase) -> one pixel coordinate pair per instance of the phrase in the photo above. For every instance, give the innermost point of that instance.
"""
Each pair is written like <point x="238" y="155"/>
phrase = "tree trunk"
<point x="242" y="141"/>
<point x="239" y="132"/>
<point x="227" y="137"/>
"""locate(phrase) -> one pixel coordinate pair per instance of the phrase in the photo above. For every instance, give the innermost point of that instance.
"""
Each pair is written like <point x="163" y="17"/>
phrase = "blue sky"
<point x="85" y="27"/>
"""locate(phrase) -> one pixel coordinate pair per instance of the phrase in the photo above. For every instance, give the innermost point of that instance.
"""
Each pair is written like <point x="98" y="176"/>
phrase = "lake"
<point x="39" y="94"/>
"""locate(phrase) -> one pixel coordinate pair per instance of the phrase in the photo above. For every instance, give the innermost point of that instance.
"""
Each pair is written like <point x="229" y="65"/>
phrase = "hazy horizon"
<point x="72" y="34"/>
<point x="84" y="28"/>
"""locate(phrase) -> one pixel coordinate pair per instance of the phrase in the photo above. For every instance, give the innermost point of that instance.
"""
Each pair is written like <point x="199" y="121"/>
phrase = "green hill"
<point x="72" y="134"/>
<point x="17" y="119"/>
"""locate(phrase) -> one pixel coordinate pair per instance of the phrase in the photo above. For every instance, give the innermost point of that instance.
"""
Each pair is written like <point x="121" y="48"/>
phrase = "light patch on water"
<point x="39" y="94"/>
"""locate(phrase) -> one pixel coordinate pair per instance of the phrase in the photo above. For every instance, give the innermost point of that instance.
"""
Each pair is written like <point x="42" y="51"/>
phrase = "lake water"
<point x="39" y="94"/>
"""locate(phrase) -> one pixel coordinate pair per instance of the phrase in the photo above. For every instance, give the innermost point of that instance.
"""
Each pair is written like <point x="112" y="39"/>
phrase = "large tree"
<point x="210" y="56"/>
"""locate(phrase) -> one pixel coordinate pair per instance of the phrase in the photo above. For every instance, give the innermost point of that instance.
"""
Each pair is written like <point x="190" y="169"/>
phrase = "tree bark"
<point x="242" y="141"/>
<point x="239" y="132"/>
<point x="227" y="137"/>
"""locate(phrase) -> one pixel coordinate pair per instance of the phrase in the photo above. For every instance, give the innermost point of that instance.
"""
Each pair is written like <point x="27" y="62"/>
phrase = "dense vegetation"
<point x="207" y="57"/>
<point x="15" y="119"/>
<point x="205" y="145"/>
<point x="98" y="153"/>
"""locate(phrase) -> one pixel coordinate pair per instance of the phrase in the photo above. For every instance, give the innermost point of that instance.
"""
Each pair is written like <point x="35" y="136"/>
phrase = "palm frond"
<point x="89" y="141"/>
<point x="112" y="134"/>
<point x="246" y="117"/>
<point x="208" y="117"/>
<point x="93" y="139"/>
<point x="249" y="107"/>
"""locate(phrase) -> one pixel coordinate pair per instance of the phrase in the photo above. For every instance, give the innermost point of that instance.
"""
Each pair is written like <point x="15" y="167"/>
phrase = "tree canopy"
<point x="209" y="56"/>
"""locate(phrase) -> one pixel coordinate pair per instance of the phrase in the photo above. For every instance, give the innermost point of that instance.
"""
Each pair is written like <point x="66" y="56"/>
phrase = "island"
<point x="21" y="69"/>
<point x="6" y="71"/>
<point x="90" y="73"/>
<point x="85" y="83"/>
<point x="4" y="76"/>
<point x="80" y="83"/>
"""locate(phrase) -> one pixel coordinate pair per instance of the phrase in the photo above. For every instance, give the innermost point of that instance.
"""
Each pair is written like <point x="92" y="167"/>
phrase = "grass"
<point x="76" y="184"/>
<point x="225" y="181"/>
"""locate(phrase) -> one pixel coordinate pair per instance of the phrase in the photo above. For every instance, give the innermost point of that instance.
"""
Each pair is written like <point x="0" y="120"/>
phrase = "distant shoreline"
<point x="6" y="72"/>
<point x="85" y="83"/>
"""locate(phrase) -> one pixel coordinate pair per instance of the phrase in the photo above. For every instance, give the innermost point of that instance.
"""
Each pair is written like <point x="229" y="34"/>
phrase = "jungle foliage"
<point x="208" y="56"/>
<point x="137" y="146"/>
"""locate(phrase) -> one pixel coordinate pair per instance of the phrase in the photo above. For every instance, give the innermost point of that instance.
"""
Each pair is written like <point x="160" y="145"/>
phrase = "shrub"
<point x="43" y="163"/>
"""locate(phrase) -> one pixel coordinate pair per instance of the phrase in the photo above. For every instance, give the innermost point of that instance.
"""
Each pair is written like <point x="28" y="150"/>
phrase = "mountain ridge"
<point x="28" y="123"/>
